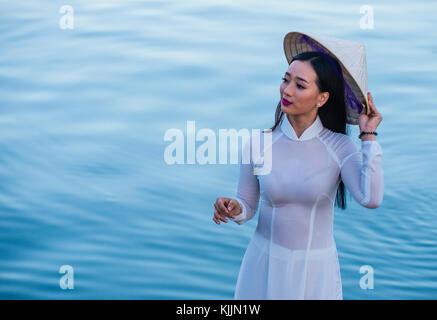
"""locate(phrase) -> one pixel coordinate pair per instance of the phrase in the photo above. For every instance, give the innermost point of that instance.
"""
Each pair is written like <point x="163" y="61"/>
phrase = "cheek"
<point x="304" y="99"/>
<point x="306" y="95"/>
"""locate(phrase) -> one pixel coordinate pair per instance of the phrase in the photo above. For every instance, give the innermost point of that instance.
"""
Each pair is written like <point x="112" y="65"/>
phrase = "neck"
<point x="301" y="122"/>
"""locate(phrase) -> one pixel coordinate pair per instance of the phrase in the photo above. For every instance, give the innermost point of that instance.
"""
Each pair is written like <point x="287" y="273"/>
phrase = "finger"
<point x="371" y="112"/>
<point x="215" y="220"/>
<point x="216" y="207"/>
<point x="374" y="110"/>
<point x="372" y="103"/>
<point x="231" y="207"/>
<point x="235" y="209"/>
<point x="369" y="104"/>
<point x="222" y="206"/>
<point x="218" y="216"/>
<point x="219" y="210"/>
<point x="370" y="99"/>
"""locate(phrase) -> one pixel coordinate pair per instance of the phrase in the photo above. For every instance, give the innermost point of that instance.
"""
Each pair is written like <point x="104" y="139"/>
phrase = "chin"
<point x="286" y="110"/>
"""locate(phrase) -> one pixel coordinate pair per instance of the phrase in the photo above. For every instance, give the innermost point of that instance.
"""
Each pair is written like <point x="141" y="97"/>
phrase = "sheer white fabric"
<point x="292" y="253"/>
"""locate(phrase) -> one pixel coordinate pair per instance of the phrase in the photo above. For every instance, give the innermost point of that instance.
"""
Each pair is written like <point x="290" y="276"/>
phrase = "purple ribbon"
<point x="350" y="96"/>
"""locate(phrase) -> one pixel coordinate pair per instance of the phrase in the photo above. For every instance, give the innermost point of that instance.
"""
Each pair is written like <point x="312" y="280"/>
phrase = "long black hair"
<point x="333" y="112"/>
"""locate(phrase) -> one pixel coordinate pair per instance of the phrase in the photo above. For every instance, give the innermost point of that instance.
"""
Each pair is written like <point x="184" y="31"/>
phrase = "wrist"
<point x="368" y="135"/>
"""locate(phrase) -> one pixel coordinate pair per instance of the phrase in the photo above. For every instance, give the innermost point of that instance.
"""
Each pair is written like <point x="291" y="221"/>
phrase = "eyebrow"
<point x="297" y="77"/>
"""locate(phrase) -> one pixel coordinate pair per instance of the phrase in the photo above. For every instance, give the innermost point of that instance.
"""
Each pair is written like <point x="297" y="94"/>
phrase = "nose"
<point x="288" y="90"/>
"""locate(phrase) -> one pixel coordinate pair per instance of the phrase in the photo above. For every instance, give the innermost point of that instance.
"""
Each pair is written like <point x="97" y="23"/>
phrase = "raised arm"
<point x="361" y="172"/>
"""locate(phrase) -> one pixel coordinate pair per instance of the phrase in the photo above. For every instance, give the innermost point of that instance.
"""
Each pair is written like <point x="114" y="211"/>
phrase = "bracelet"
<point x="364" y="132"/>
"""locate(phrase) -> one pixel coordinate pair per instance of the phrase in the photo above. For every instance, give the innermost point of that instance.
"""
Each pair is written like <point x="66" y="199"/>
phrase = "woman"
<point x="292" y="254"/>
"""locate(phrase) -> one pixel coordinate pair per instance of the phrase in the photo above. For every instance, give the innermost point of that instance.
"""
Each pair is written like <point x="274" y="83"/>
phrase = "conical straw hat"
<point x="352" y="58"/>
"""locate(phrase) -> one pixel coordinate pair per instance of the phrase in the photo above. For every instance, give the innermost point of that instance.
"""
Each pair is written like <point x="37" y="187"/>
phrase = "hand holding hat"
<point x="370" y="121"/>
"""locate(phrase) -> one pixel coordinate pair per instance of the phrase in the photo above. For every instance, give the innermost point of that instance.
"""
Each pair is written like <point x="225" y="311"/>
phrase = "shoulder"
<point x="334" y="138"/>
<point x="339" y="143"/>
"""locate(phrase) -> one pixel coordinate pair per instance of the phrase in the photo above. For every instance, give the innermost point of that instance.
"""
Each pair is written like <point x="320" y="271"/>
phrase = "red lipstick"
<point x="286" y="102"/>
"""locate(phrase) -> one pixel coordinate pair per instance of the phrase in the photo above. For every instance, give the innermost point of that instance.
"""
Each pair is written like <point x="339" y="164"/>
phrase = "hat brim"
<point x="293" y="46"/>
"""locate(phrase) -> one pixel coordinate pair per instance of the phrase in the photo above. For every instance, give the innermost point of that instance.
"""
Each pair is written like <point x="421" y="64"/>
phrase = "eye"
<point x="298" y="85"/>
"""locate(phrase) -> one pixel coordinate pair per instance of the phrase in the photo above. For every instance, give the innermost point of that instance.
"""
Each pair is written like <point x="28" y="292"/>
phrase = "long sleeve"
<point x="248" y="190"/>
<point x="362" y="173"/>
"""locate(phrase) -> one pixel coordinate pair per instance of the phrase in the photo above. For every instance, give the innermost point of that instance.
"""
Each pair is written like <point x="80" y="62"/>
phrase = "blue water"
<point x="83" y="113"/>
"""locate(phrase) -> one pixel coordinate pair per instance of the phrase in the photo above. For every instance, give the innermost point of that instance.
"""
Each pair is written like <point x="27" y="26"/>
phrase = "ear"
<point x="323" y="97"/>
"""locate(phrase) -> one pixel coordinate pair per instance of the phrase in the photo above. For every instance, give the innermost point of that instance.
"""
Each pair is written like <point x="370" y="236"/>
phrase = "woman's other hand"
<point x="225" y="207"/>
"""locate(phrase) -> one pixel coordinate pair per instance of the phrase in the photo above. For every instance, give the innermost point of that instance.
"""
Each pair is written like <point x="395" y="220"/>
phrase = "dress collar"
<point x="312" y="131"/>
